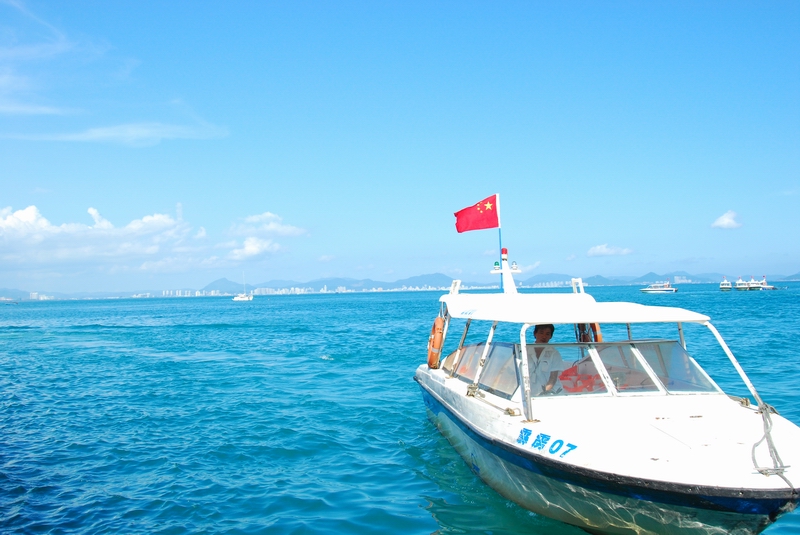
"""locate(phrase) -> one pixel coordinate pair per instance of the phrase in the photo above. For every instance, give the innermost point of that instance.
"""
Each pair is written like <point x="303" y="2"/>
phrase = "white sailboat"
<point x="244" y="296"/>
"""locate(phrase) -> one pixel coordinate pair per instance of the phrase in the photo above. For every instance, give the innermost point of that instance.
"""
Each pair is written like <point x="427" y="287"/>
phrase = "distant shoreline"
<point x="184" y="294"/>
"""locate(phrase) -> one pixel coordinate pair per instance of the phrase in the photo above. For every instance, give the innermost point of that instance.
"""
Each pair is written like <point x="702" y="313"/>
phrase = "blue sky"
<point x="148" y="145"/>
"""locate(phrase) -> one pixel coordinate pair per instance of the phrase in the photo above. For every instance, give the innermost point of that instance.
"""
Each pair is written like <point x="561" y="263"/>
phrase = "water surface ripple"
<point x="289" y="414"/>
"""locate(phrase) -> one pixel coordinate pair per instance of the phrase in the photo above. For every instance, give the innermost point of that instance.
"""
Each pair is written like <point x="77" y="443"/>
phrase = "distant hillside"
<point x="597" y="280"/>
<point x="226" y="286"/>
<point x="546" y="277"/>
<point x="16" y="295"/>
<point x="435" y="280"/>
<point x="795" y="277"/>
<point x="649" y="278"/>
<point x="278" y="283"/>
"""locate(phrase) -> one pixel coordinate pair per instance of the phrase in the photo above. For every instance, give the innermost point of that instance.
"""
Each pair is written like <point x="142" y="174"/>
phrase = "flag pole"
<point x="500" y="237"/>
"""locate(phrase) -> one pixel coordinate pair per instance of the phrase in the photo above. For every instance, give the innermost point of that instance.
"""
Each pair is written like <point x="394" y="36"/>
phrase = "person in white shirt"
<point x="544" y="363"/>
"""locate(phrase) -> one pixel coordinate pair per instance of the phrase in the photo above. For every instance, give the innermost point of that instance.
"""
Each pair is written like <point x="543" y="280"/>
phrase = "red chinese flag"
<point x="483" y="215"/>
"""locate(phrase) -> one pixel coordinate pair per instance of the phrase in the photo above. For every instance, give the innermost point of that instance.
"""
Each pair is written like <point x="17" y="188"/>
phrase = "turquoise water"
<point x="289" y="414"/>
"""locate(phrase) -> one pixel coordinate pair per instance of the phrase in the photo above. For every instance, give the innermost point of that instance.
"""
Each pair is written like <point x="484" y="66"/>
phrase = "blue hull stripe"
<point x="743" y="501"/>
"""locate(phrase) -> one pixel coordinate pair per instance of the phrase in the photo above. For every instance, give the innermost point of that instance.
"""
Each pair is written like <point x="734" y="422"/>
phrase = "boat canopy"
<point x="560" y="309"/>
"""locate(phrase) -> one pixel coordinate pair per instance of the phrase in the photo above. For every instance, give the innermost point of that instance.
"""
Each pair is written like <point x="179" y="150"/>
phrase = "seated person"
<point x="544" y="363"/>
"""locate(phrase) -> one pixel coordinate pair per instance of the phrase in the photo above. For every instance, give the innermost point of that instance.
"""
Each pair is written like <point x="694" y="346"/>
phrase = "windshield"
<point x="675" y="368"/>
<point x="630" y="367"/>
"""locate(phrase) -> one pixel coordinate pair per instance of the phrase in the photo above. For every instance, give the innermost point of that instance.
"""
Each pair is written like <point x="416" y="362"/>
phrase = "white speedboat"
<point x="659" y="288"/>
<point x="764" y="285"/>
<point x="725" y="285"/>
<point x="625" y="436"/>
<point x="741" y="285"/>
<point x="753" y="284"/>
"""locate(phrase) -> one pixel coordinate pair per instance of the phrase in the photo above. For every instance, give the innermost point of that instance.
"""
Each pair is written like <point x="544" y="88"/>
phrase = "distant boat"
<point x="753" y="284"/>
<point x="659" y="288"/>
<point x="725" y="285"/>
<point x="741" y="285"/>
<point x="244" y="296"/>
<point x="763" y="285"/>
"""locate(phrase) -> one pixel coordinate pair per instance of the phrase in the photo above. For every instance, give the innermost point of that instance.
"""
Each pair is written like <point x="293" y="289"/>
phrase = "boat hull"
<point x="603" y="503"/>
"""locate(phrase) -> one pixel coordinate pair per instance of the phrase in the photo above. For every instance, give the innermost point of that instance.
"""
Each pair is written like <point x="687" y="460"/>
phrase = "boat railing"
<point x="778" y="467"/>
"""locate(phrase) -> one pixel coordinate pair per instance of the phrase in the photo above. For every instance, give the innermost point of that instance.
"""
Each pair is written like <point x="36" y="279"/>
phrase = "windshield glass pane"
<point x="562" y="370"/>
<point x="499" y="375"/>
<point x="625" y="371"/>
<point x="469" y="362"/>
<point x="674" y="367"/>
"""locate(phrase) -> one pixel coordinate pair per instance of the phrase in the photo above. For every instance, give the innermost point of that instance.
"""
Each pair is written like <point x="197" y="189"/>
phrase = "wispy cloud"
<point x="727" y="221"/>
<point x="32" y="40"/>
<point x="266" y="224"/>
<point x="531" y="267"/>
<point x="326" y="258"/>
<point x="570" y="258"/>
<point x="605" y="250"/>
<point x="132" y="134"/>
<point x="16" y="108"/>
<point x="52" y="43"/>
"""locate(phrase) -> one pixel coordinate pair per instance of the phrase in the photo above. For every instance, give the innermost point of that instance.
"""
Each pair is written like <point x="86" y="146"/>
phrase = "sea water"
<point x="286" y="414"/>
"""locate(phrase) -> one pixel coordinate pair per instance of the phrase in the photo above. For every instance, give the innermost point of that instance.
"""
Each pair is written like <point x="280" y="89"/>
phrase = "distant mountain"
<point x="598" y="280"/>
<point x="711" y="277"/>
<point x="546" y="277"/>
<point x="435" y="280"/>
<point x="649" y="278"/>
<point x="795" y="277"/>
<point x="278" y="284"/>
<point x="16" y="295"/>
<point x="226" y="286"/>
<point x="333" y="283"/>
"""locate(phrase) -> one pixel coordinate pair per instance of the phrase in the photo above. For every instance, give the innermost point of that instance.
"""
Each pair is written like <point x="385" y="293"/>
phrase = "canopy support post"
<point x="526" y="379"/>
<point x="457" y="360"/>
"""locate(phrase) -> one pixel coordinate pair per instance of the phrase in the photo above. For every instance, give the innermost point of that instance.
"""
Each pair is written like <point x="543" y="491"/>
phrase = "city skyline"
<point x="151" y="146"/>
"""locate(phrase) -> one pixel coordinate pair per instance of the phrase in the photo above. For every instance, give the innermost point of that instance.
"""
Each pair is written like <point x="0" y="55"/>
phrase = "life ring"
<point x="435" y="342"/>
<point x="598" y="336"/>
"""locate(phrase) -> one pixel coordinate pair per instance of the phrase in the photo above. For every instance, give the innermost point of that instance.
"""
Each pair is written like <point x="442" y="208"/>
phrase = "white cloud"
<point x="99" y="221"/>
<point x="28" y="238"/>
<point x="326" y="258"/>
<point x="570" y="258"/>
<point x="726" y="220"/>
<point x="254" y="247"/>
<point x="29" y="242"/>
<point x="266" y="224"/>
<point x="605" y="250"/>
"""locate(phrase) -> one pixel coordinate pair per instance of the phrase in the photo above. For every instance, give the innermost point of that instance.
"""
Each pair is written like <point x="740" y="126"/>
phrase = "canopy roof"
<point x="560" y="308"/>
